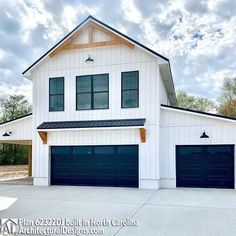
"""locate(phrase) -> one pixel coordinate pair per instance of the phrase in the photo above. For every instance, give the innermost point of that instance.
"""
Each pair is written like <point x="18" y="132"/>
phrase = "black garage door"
<point x="95" y="165"/>
<point x="205" y="166"/>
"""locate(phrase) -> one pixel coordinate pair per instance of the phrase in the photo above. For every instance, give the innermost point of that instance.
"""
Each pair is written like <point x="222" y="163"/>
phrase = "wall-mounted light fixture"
<point x="89" y="59"/>
<point x="204" y="135"/>
<point x="6" y="134"/>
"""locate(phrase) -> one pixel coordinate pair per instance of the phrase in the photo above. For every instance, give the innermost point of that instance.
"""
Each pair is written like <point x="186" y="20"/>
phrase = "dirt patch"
<point x="13" y="171"/>
<point x="18" y="181"/>
<point x="11" y="168"/>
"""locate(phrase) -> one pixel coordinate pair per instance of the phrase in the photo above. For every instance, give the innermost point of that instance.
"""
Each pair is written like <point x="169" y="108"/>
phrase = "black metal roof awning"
<point x="92" y="124"/>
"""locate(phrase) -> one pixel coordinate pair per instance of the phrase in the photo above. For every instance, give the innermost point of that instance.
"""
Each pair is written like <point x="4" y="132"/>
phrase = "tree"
<point x="11" y="108"/>
<point x="194" y="103"/>
<point x="228" y="109"/>
<point x="228" y="90"/>
<point x="227" y="98"/>
<point x="14" y="106"/>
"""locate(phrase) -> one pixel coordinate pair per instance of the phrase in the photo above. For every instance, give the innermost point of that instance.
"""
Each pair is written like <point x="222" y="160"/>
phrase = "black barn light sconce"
<point x="6" y="134"/>
<point x="89" y="60"/>
<point x="204" y="135"/>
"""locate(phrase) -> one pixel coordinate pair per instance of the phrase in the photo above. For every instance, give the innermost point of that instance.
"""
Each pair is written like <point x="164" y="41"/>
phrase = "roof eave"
<point x="205" y="114"/>
<point x="92" y="128"/>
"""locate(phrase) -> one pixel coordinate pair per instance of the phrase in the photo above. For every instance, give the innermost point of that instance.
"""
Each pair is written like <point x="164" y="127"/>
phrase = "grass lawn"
<point x="13" y="171"/>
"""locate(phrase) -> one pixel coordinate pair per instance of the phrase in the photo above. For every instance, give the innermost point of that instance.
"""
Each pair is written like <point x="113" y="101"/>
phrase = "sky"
<point x="198" y="36"/>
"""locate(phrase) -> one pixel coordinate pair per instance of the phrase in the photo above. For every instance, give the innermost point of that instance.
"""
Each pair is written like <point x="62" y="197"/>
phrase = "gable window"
<point x="56" y="94"/>
<point x="130" y="89"/>
<point x="92" y="92"/>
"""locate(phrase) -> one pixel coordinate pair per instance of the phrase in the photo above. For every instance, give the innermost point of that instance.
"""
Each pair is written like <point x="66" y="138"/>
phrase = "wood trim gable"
<point x="90" y="26"/>
<point x="112" y="35"/>
<point x="92" y="45"/>
<point x="68" y="41"/>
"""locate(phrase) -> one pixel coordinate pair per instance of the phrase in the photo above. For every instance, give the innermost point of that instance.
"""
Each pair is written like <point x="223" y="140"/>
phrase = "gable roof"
<point x="165" y="67"/>
<point x="220" y="117"/>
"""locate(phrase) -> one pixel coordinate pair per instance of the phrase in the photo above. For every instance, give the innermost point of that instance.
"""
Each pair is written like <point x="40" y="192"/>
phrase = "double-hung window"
<point x="56" y="94"/>
<point x="130" y="89"/>
<point x="92" y="92"/>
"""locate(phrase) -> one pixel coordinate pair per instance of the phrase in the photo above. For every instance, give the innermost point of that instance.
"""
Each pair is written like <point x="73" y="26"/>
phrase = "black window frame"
<point x="92" y="92"/>
<point x="122" y="90"/>
<point x="57" y="94"/>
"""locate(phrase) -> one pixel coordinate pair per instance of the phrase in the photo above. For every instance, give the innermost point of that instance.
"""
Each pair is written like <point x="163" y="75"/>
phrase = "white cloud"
<point x="2" y="54"/>
<point x="69" y="16"/>
<point x="131" y="12"/>
<point x="26" y="90"/>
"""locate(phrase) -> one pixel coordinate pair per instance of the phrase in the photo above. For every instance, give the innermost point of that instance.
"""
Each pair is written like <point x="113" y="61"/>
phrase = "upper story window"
<point x="130" y="89"/>
<point x="56" y="94"/>
<point x="92" y="92"/>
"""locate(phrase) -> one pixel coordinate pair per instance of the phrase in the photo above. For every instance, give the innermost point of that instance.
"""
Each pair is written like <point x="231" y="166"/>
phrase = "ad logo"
<point x="8" y="226"/>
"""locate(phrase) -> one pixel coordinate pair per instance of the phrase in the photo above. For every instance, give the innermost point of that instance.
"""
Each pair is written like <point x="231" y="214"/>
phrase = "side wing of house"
<point x="17" y="131"/>
<point x="188" y="158"/>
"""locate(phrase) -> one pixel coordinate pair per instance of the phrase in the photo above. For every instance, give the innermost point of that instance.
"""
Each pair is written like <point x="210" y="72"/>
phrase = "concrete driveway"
<point x="164" y="212"/>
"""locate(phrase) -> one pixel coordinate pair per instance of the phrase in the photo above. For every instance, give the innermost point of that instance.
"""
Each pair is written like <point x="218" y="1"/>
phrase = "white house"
<point x="105" y="114"/>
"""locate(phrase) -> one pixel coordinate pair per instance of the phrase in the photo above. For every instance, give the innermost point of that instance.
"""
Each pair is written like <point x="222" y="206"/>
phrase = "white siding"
<point x="179" y="128"/>
<point x="94" y="137"/>
<point x="98" y="36"/>
<point x="21" y="129"/>
<point x="163" y="94"/>
<point x="112" y="60"/>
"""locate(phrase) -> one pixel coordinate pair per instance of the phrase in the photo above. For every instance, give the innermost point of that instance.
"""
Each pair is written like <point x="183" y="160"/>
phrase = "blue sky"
<point x="199" y="37"/>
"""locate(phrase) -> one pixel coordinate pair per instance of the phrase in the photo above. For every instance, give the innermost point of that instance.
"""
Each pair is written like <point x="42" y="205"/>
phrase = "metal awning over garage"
<point x="91" y="124"/>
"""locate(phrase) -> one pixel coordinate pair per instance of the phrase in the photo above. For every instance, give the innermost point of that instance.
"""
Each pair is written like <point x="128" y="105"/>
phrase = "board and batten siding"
<point x="185" y="128"/>
<point x="112" y="60"/>
<point x="163" y="94"/>
<point x="21" y="130"/>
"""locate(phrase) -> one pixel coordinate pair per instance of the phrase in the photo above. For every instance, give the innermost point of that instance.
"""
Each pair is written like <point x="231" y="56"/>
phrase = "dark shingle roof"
<point x="91" y="124"/>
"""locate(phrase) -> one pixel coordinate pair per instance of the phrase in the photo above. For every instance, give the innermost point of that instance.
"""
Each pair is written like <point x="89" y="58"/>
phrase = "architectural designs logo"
<point x="8" y="226"/>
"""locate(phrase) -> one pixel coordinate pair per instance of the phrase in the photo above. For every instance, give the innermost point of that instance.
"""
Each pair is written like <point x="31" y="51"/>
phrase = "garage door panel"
<point x="212" y="167"/>
<point x="95" y="165"/>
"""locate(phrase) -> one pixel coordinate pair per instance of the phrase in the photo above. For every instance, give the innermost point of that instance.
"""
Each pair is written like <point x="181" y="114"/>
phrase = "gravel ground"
<point x="13" y="171"/>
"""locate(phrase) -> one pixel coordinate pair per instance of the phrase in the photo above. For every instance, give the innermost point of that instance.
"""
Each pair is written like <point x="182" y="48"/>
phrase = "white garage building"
<point x="105" y="114"/>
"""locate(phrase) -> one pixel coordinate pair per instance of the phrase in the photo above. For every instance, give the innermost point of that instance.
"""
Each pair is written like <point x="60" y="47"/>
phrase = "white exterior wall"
<point x="163" y="94"/>
<point x="22" y="130"/>
<point x="112" y="60"/>
<point x="184" y="128"/>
